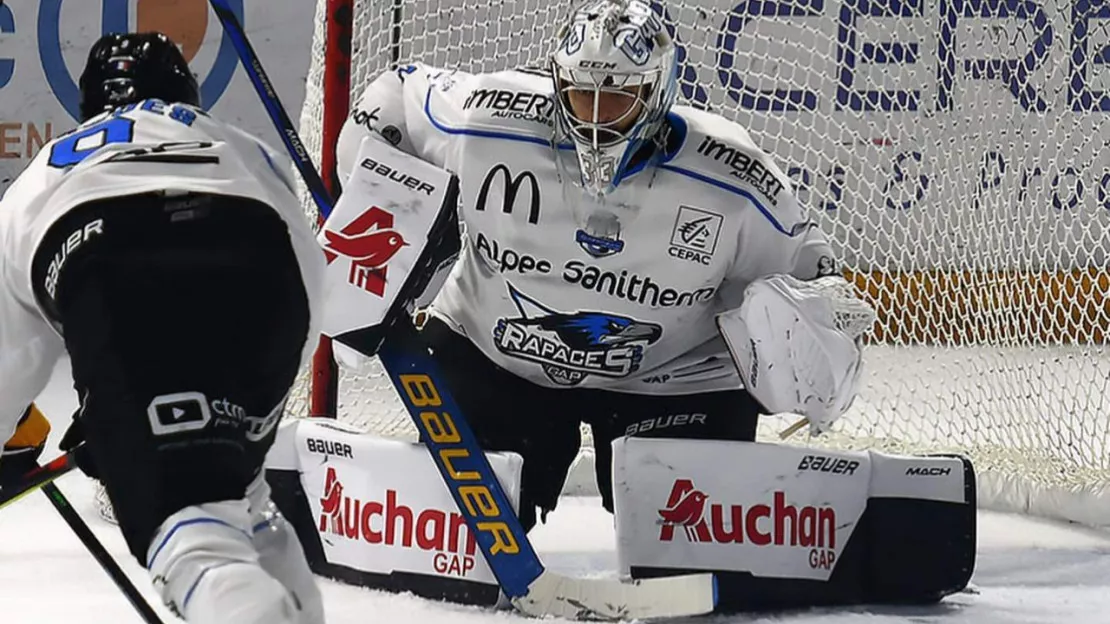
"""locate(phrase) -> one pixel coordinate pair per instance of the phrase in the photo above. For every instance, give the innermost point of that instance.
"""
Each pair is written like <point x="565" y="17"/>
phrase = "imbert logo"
<point x="369" y="242"/>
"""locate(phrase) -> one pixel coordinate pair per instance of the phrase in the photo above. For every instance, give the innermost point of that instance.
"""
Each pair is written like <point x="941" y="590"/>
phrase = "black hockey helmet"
<point x="126" y="68"/>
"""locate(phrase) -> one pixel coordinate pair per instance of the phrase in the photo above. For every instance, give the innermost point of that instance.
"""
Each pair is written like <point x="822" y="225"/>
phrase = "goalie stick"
<point x="480" y="499"/>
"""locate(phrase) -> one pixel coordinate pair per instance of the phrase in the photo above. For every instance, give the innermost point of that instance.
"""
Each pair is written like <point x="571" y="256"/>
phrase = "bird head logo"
<point x="685" y="508"/>
<point x="371" y="249"/>
<point x="333" y="495"/>
<point x="368" y="241"/>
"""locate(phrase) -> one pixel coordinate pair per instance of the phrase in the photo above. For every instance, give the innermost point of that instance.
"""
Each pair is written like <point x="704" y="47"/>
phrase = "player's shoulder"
<point x="509" y="104"/>
<point x="721" y="155"/>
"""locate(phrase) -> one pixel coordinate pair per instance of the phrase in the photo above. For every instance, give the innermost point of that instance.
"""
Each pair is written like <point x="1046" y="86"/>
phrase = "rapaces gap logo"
<point x="369" y="242"/>
<point x="391" y="523"/>
<point x="776" y="524"/>
<point x="188" y="22"/>
<point x="573" y="345"/>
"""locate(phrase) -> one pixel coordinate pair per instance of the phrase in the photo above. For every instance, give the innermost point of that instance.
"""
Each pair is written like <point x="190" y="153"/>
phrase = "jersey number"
<point x="81" y="144"/>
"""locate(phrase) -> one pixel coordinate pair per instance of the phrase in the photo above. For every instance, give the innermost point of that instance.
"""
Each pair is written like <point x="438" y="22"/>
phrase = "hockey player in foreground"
<point x="643" y="267"/>
<point x="167" y="254"/>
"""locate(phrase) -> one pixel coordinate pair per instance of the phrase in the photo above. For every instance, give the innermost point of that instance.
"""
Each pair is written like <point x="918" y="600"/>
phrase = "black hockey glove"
<point x="73" y="441"/>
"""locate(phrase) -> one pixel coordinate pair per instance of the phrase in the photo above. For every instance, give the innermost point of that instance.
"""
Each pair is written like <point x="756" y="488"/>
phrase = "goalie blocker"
<point x="390" y="243"/>
<point x="788" y="527"/>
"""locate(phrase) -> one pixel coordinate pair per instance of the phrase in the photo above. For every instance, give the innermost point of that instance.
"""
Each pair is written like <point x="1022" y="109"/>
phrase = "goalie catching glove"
<point x="796" y="345"/>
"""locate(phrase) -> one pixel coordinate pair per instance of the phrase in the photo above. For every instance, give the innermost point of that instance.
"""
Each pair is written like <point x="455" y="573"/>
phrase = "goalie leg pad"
<point x="788" y="527"/>
<point x="723" y="415"/>
<point x="375" y="512"/>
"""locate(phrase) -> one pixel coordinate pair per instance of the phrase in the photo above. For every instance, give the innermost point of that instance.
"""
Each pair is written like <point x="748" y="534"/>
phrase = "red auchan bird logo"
<point x="333" y="495"/>
<point x="369" y="242"/>
<point x="371" y="250"/>
<point x="685" y="508"/>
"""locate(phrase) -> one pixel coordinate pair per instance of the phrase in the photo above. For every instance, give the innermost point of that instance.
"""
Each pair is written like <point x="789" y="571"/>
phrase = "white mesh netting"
<point x="954" y="150"/>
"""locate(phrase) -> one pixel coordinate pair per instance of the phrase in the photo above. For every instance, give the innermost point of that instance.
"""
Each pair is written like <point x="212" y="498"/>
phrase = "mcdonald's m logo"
<point x="512" y="186"/>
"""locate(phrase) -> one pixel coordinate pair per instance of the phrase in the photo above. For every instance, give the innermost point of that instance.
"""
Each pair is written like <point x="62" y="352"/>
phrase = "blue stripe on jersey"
<point x="732" y="189"/>
<point x="681" y="126"/>
<point x="193" y="587"/>
<point x="281" y="175"/>
<point x="489" y="134"/>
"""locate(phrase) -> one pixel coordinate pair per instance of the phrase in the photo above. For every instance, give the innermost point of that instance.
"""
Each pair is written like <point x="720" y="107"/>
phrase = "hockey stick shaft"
<point x="507" y="540"/>
<point x="463" y="465"/>
<point x="96" y="549"/>
<point x="36" y="479"/>
<point x="272" y="103"/>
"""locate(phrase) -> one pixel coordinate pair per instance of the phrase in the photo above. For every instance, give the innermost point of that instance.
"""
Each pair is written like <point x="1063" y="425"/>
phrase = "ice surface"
<point x="1029" y="570"/>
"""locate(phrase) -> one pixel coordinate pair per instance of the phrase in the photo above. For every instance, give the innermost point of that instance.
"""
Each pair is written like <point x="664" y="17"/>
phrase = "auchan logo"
<point x="391" y="523"/>
<point x="690" y="513"/>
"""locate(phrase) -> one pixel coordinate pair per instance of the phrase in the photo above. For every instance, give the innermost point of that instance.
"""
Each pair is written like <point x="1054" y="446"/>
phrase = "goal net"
<point x="954" y="150"/>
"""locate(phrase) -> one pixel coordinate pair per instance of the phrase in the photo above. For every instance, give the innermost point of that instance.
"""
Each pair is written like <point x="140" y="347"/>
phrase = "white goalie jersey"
<point x="92" y="163"/>
<point x="562" y="292"/>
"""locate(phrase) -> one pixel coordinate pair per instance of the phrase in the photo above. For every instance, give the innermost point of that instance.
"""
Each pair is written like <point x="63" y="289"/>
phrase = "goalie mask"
<point x="615" y="74"/>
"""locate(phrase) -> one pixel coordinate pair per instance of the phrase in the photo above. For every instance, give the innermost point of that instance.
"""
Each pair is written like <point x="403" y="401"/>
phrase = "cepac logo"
<point x="775" y="525"/>
<point x="62" y="28"/>
<point x="695" y="234"/>
<point x="396" y="525"/>
<point x="369" y="242"/>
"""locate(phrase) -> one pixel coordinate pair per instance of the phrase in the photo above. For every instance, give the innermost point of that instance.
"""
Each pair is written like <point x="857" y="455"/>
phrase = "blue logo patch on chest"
<point x="573" y="345"/>
<point x="597" y="246"/>
<point x="601" y="237"/>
